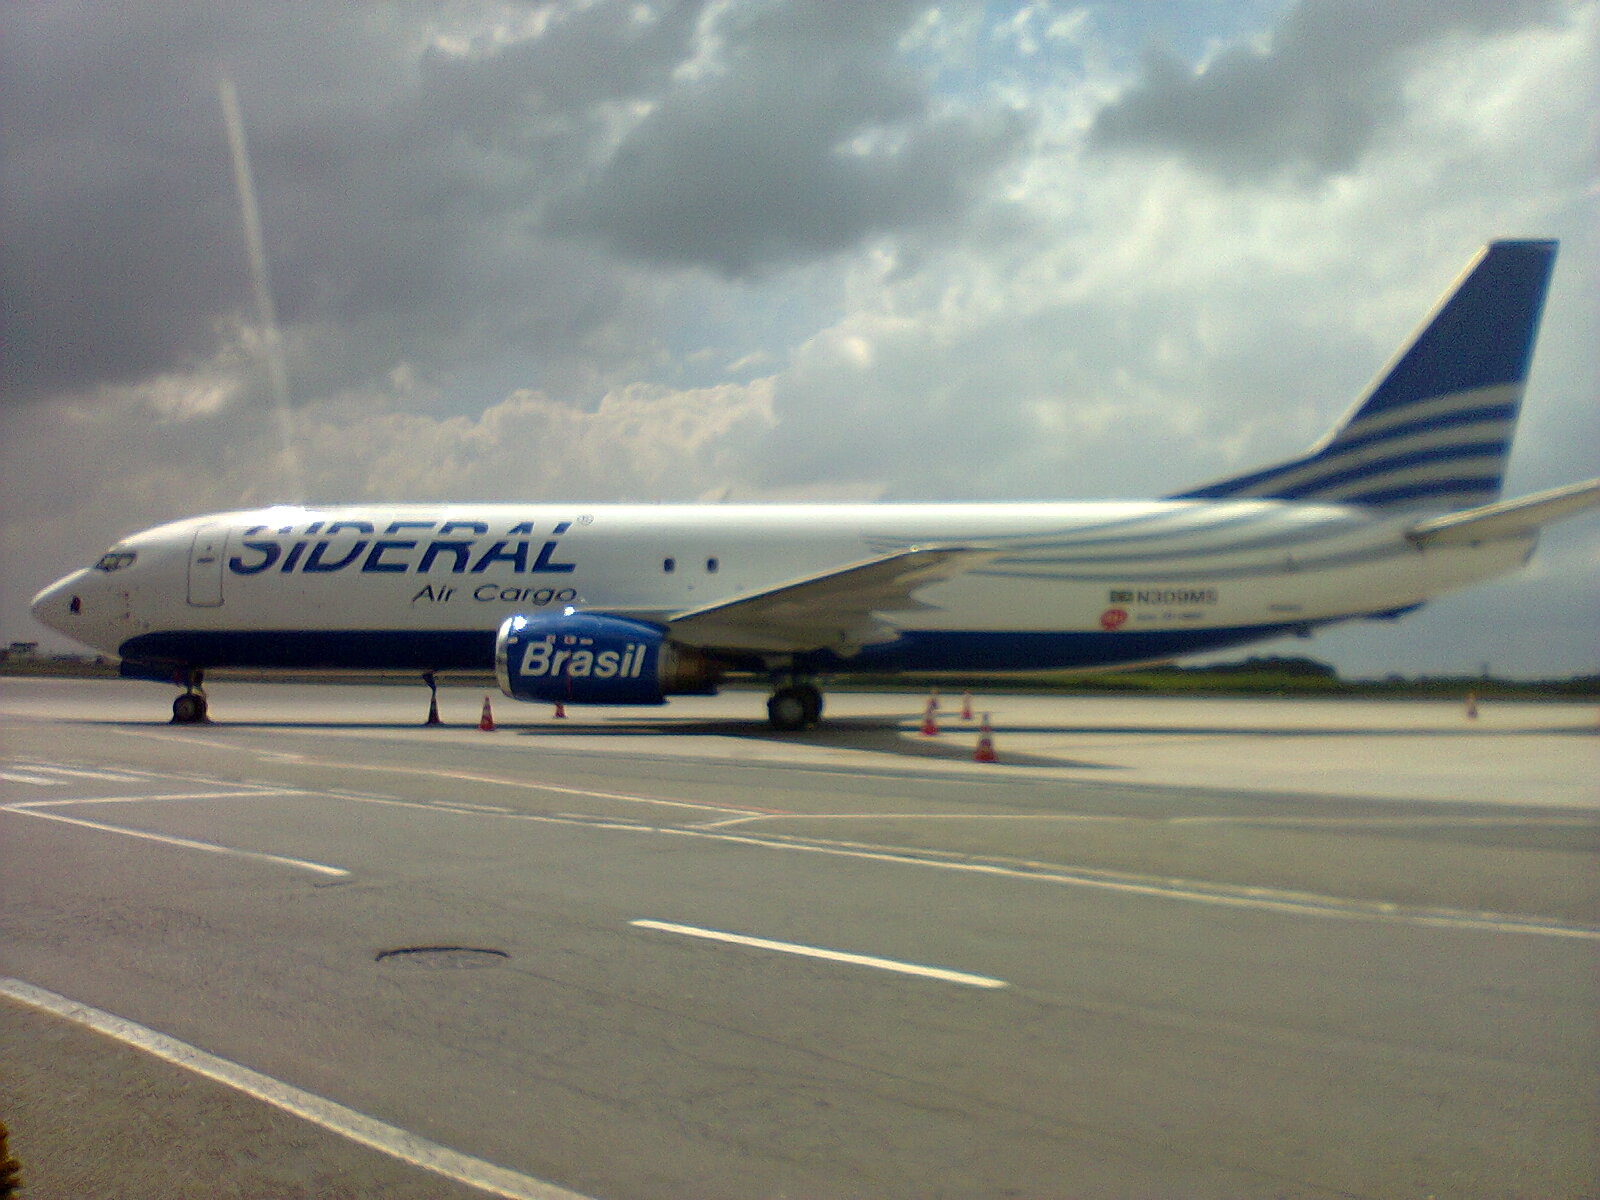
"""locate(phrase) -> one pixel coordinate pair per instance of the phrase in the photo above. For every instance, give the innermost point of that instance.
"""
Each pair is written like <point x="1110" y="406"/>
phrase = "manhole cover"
<point x="443" y="958"/>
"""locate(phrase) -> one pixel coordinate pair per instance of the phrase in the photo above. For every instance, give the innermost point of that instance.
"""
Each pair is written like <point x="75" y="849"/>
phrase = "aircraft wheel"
<point x="787" y="710"/>
<point x="189" y="709"/>
<point x="812" y="699"/>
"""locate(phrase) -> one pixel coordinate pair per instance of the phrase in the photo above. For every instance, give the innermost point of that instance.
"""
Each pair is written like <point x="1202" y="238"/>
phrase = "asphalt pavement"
<point x="1179" y="948"/>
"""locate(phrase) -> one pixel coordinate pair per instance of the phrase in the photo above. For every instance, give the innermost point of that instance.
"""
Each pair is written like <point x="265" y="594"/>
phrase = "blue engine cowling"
<point x="589" y="658"/>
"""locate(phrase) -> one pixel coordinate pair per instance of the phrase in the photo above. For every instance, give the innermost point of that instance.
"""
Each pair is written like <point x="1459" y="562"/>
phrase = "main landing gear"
<point x="794" y="705"/>
<point x="190" y="708"/>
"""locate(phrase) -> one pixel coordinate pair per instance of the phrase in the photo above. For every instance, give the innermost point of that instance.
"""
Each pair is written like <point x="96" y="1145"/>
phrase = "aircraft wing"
<point x="834" y="610"/>
<point x="1509" y="518"/>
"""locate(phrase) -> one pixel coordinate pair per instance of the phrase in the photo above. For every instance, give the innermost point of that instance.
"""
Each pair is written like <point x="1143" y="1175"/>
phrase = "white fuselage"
<point x="1068" y="584"/>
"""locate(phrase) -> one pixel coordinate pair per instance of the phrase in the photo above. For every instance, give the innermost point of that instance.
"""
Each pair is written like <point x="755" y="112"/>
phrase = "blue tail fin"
<point x="1435" y="430"/>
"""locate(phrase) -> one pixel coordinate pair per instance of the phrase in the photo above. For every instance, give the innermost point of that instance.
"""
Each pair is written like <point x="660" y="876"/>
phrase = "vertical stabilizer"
<point x="1435" y="430"/>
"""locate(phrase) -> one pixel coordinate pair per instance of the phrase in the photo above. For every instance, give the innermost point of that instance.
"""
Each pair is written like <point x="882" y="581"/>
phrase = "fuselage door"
<point x="205" y="565"/>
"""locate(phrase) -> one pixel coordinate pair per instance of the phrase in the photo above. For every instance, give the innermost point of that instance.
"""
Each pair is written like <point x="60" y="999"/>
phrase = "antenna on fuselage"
<point x="266" y="310"/>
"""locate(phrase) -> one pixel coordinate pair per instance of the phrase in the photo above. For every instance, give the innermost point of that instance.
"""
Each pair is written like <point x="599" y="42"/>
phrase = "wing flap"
<point x="1510" y="518"/>
<point x="834" y="610"/>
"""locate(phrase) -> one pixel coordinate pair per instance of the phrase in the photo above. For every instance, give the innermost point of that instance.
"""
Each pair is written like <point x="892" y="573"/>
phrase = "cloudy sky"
<point x="641" y="251"/>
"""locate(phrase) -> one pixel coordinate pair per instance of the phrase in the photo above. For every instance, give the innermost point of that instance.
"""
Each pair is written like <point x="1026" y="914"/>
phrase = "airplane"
<point x="630" y="604"/>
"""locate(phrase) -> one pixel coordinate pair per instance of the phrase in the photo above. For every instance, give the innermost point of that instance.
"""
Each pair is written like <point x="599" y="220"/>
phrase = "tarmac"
<point x="1162" y="947"/>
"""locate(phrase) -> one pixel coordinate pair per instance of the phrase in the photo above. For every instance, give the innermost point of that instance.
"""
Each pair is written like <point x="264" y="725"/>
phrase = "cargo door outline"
<point x="205" y="566"/>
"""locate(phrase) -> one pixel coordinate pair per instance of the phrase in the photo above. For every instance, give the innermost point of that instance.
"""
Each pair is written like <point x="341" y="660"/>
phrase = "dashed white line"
<point x="336" y="1118"/>
<point x="839" y="956"/>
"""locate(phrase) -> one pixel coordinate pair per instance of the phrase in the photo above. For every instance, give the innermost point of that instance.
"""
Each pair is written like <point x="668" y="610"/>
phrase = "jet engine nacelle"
<point x="589" y="658"/>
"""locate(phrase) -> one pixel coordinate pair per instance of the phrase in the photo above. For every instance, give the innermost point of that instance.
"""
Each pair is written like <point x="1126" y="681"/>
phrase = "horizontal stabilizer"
<point x="1511" y="518"/>
<point x="833" y="610"/>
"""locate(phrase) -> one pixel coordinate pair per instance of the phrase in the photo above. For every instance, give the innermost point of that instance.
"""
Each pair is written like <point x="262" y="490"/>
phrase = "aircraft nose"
<point x="60" y="606"/>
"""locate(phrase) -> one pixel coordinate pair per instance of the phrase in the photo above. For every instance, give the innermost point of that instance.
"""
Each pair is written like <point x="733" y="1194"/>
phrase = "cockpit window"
<point x="115" y="560"/>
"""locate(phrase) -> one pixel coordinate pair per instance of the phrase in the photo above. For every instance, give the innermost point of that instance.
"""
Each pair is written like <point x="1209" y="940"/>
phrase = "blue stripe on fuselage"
<point x="319" y="649"/>
<point x="473" y="650"/>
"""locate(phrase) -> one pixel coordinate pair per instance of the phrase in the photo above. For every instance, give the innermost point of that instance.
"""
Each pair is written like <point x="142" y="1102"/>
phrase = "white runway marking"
<point x="83" y="773"/>
<point x="1059" y="818"/>
<point x="178" y="737"/>
<point x="1426" y="821"/>
<point x="336" y="1118"/>
<point x="840" y="956"/>
<point x="185" y="843"/>
<point x="36" y="780"/>
<point x="559" y="789"/>
<point x="230" y="794"/>
<point x="477" y="777"/>
<point x="1259" y="899"/>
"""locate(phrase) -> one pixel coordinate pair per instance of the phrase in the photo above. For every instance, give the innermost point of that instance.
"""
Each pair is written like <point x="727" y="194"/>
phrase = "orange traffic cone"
<point x="1472" y="706"/>
<point x="985" y="751"/>
<point x="561" y="711"/>
<point x="486" y="722"/>
<point x="930" y="727"/>
<point x="966" y="706"/>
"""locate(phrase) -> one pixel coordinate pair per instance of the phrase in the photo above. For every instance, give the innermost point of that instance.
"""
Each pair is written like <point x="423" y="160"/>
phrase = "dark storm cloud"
<point x="809" y="135"/>
<point x="395" y="180"/>
<point x="1313" y="101"/>
<point x="605" y="52"/>
<point x="107" y="223"/>
<point x="407" y="172"/>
